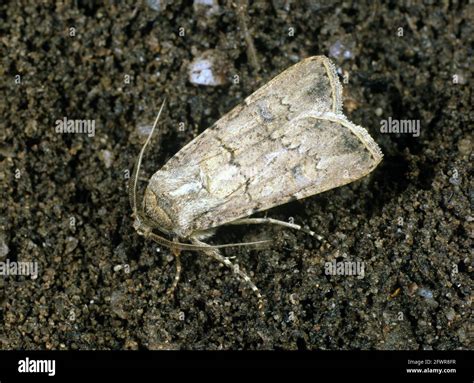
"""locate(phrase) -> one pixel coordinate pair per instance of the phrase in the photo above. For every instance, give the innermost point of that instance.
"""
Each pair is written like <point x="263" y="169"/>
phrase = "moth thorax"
<point x="156" y="213"/>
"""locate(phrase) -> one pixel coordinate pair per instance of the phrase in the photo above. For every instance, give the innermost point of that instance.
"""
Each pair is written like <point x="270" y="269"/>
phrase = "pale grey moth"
<point x="288" y="140"/>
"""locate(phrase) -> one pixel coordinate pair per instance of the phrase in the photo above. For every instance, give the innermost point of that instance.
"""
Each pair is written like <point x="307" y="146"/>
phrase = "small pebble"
<point x="107" y="157"/>
<point x="450" y="314"/>
<point x="157" y="5"/>
<point x="425" y="293"/>
<point x="412" y="288"/>
<point x="339" y="50"/>
<point x="207" y="69"/>
<point x="71" y="244"/>
<point x="206" y="7"/>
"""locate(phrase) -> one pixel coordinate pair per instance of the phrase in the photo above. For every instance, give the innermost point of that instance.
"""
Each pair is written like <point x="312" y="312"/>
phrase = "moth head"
<point x="155" y="212"/>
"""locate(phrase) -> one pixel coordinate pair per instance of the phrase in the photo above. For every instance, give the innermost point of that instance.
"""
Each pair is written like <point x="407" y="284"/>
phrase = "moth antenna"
<point x="186" y="246"/>
<point x="132" y="190"/>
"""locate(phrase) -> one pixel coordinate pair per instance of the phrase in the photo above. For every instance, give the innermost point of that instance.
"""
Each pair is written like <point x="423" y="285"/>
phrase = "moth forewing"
<point x="288" y="140"/>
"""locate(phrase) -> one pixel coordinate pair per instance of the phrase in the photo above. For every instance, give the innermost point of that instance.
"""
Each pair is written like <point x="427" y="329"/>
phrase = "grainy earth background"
<point x="64" y="196"/>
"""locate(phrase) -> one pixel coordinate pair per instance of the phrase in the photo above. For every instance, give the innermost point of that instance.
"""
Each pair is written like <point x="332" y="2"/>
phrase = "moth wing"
<point x="332" y="153"/>
<point x="313" y="155"/>
<point x="310" y="86"/>
<point x="288" y="140"/>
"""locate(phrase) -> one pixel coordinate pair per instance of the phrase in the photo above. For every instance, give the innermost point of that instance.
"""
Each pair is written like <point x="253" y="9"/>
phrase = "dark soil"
<point x="65" y="202"/>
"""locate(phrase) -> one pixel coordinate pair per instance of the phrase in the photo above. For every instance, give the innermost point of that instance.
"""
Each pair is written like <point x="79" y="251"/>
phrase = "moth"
<point x="287" y="141"/>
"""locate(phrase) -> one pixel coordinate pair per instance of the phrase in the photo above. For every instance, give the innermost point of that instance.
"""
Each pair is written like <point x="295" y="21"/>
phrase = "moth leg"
<point x="176" y="252"/>
<point x="215" y="254"/>
<point x="255" y="221"/>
